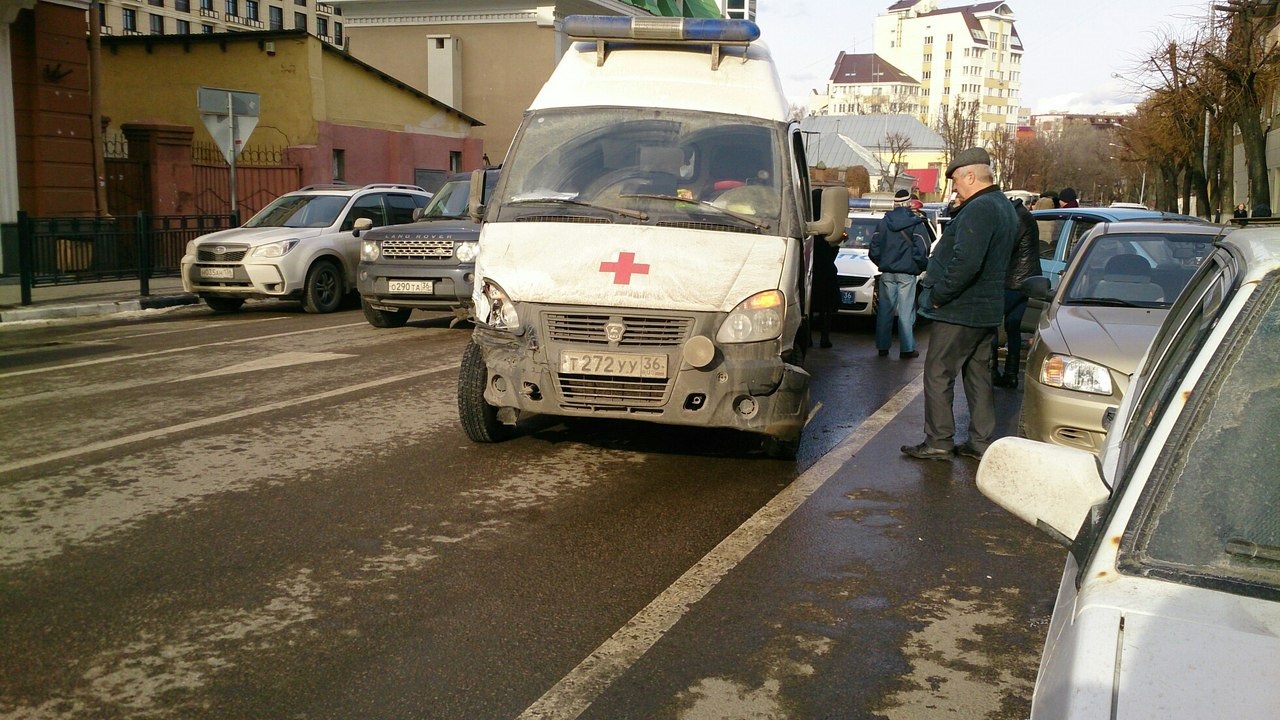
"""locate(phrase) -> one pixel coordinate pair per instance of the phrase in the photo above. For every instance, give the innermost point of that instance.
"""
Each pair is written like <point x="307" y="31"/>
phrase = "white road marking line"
<point x="576" y="691"/>
<point x="194" y="424"/>
<point x="193" y="328"/>
<point x="170" y="351"/>
<point x="272" y="362"/>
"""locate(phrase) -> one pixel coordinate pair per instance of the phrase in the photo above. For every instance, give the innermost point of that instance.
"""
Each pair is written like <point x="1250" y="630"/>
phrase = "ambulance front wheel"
<point x="479" y="419"/>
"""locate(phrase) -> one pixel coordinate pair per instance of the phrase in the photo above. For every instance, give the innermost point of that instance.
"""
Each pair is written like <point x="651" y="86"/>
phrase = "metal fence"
<point x="66" y="251"/>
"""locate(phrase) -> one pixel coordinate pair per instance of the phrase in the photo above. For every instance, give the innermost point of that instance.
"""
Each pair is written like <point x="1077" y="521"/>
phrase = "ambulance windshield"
<point x="656" y="166"/>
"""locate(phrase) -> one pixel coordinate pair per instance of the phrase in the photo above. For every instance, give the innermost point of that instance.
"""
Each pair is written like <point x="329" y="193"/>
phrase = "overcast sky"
<point x="1071" y="47"/>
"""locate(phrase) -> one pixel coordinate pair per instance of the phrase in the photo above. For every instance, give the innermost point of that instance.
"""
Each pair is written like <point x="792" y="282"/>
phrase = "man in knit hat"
<point x="900" y="249"/>
<point x="963" y="293"/>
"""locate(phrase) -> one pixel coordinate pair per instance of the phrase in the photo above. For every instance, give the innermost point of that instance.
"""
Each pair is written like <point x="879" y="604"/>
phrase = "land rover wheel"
<point x="384" y="318"/>
<point x="223" y="304"/>
<point x="479" y="418"/>
<point x="323" y="291"/>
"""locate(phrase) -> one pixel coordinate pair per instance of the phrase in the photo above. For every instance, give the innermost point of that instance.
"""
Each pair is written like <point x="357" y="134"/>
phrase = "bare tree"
<point x="891" y="156"/>
<point x="958" y="126"/>
<point x="1003" y="157"/>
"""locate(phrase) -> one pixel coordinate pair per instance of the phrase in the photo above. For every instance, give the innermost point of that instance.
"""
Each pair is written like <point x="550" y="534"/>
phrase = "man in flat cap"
<point x="963" y="293"/>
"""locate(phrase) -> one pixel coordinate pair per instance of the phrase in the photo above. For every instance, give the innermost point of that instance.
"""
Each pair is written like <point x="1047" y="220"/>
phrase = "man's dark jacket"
<point x="965" y="279"/>
<point x="1025" y="262"/>
<point x="900" y="243"/>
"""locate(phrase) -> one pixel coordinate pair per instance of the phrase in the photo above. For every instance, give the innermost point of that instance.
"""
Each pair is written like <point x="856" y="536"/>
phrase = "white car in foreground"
<point x="1169" y="605"/>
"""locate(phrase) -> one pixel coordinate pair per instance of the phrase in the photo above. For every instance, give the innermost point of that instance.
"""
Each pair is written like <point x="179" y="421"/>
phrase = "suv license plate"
<point x="619" y="364"/>
<point x="221" y="273"/>
<point x="847" y="297"/>
<point x="425" y="287"/>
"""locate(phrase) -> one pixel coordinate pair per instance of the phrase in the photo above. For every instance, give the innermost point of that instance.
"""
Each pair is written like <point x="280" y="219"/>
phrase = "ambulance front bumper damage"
<point x="565" y="364"/>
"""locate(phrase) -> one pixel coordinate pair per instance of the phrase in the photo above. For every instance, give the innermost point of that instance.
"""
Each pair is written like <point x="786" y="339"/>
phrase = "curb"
<point x="52" y="312"/>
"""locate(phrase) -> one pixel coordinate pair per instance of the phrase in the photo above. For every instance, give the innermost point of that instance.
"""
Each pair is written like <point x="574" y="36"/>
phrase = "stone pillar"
<point x="167" y="150"/>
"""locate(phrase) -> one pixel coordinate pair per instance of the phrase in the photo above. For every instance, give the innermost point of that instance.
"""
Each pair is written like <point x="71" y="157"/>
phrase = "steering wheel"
<point x="610" y="183"/>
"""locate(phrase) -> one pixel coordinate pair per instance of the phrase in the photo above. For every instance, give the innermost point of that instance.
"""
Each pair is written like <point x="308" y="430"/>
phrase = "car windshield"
<point x="1214" y="511"/>
<point x="1132" y="269"/>
<point x="450" y="201"/>
<point x="860" y="230"/>
<point x="300" y="211"/>
<point x="662" y="166"/>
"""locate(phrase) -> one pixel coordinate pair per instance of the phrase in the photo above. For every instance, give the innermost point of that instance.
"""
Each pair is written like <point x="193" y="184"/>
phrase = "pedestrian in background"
<point x="1024" y="264"/>
<point x="1261" y="210"/>
<point x="916" y="202"/>
<point x="1048" y="200"/>
<point x="963" y="293"/>
<point x="1241" y="211"/>
<point x="1067" y="198"/>
<point x="900" y="249"/>
<point x="824" y="296"/>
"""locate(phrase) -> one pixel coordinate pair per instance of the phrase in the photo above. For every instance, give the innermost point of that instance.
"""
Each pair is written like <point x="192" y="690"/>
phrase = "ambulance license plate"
<point x="617" y="364"/>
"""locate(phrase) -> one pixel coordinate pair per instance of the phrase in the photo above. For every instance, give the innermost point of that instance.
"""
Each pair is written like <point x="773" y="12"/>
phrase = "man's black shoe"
<point x="882" y="353"/>
<point x="1005" y="381"/>
<point x="924" y="452"/>
<point x="909" y="354"/>
<point x="967" y="450"/>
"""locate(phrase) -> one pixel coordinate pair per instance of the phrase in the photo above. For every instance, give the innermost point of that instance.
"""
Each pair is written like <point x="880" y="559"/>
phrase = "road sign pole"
<point x="235" y="208"/>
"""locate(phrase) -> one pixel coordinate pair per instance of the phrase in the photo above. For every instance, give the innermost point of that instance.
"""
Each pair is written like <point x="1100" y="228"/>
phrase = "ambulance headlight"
<point x="757" y="318"/>
<point x="495" y="309"/>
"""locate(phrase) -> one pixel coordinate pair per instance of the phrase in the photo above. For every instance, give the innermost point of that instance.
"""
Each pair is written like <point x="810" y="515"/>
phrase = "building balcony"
<point x="247" y="22"/>
<point x="206" y="12"/>
<point x="325" y="8"/>
<point x="105" y="30"/>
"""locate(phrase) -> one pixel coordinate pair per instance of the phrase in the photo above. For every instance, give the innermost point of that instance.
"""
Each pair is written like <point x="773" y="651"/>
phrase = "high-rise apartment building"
<point x="967" y="57"/>
<point x="184" y="17"/>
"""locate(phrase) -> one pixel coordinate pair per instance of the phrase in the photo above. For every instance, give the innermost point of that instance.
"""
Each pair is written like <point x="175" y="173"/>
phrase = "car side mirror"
<point x="835" y="211"/>
<point x="1052" y="487"/>
<point x="1038" y="287"/>
<point x="360" y="225"/>
<point x="417" y="213"/>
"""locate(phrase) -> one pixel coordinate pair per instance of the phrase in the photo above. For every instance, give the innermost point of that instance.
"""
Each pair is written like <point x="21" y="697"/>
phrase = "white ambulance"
<point x="646" y="253"/>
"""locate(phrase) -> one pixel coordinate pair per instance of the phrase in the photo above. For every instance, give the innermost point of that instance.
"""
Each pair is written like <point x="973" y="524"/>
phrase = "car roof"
<point x="344" y="189"/>
<point x="1160" y="226"/>
<point x="1258" y="247"/>
<point x="1112" y="214"/>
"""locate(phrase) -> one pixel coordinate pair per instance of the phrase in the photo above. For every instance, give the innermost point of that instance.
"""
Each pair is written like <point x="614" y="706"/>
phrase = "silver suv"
<point x="303" y="246"/>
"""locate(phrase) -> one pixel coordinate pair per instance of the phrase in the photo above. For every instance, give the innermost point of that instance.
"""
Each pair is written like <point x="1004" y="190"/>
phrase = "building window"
<point x="206" y="29"/>
<point x="322" y="27"/>
<point x="339" y="165"/>
<point x="299" y="21"/>
<point x="157" y="24"/>
<point x="156" y="3"/>
<point x="206" y="5"/>
<point x="102" y="14"/>
<point x="277" y="17"/>
<point x="337" y="33"/>
<point x="233" y="8"/>
<point x="182" y="5"/>
<point x="184" y="27"/>
<point x="303" y="3"/>
<point x="455" y="161"/>
<point x="130" y="20"/>
<point x="251" y="9"/>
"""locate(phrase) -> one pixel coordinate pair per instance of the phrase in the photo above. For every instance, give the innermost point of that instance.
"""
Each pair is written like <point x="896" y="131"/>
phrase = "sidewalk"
<point x="86" y="299"/>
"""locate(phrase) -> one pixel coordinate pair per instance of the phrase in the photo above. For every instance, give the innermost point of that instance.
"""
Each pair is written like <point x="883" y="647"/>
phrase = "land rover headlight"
<point x="275" y="249"/>
<point x="495" y="309"/>
<point x="369" y="250"/>
<point x="757" y="318"/>
<point x="1073" y="373"/>
<point x="466" y="252"/>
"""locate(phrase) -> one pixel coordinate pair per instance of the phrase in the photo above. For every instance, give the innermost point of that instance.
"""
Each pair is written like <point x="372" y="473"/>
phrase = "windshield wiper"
<point x="1249" y="549"/>
<point x="760" y="225"/>
<point x="567" y="201"/>
<point x="1112" y="302"/>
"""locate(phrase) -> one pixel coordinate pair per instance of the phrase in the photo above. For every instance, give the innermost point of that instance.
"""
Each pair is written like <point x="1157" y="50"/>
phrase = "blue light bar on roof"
<point x="702" y="30"/>
<point x="862" y="203"/>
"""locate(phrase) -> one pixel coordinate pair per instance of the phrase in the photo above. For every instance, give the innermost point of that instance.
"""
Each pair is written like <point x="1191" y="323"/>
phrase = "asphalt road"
<point x="276" y="515"/>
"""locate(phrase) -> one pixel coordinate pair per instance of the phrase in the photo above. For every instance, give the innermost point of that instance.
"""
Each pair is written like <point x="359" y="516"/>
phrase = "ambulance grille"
<point x="714" y="227"/>
<point x="584" y="329"/>
<point x="611" y="393"/>
<point x="562" y="219"/>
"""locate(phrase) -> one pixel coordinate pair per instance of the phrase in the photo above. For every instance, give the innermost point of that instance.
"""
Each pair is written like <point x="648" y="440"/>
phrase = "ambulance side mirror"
<point x="476" y="198"/>
<point x="835" y="211"/>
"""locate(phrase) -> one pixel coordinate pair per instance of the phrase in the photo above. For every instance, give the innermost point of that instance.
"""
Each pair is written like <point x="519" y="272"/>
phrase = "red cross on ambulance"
<point x="624" y="267"/>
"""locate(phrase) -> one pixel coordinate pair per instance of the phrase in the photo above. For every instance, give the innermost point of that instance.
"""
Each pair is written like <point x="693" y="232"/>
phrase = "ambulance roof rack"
<point x="605" y="29"/>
